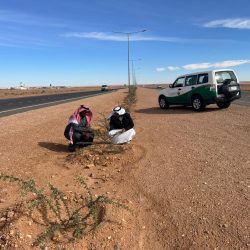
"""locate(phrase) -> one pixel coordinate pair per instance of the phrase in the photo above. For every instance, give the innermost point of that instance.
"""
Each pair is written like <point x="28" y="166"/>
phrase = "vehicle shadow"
<point x="174" y="110"/>
<point x="56" y="147"/>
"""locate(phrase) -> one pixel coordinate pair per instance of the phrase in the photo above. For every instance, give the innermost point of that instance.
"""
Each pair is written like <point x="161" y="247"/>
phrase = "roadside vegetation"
<point x="63" y="217"/>
<point x="130" y="99"/>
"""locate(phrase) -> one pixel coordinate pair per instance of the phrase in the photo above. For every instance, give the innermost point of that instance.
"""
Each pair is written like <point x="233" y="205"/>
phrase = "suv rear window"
<point x="221" y="76"/>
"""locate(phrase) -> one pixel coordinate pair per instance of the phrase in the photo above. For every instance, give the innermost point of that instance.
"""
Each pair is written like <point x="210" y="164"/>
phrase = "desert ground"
<point x="13" y="93"/>
<point x="245" y="86"/>
<point x="185" y="176"/>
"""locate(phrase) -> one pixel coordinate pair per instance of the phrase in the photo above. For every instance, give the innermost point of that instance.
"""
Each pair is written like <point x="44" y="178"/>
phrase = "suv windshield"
<point x="221" y="76"/>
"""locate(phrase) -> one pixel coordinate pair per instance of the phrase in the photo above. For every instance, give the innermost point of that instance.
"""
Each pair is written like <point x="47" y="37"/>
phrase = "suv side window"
<point x="202" y="78"/>
<point x="191" y="80"/>
<point x="179" y="82"/>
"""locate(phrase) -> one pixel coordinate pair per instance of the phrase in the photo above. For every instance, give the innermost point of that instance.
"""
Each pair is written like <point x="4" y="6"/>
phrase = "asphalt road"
<point x="18" y="105"/>
<point x="244" y="100"/>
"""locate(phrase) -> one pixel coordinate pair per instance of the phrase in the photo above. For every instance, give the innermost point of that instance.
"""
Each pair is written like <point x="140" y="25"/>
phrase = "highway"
<point x="22" y="104"/>
<point x="18" y="105"/>
<point x="244" y="100"/>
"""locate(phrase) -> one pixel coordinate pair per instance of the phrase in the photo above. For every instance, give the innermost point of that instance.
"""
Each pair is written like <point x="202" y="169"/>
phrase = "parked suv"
<point x="203" y="88"/>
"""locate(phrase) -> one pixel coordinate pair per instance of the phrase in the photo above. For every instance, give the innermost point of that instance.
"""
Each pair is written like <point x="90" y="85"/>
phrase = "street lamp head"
<point x="130" y="33"/>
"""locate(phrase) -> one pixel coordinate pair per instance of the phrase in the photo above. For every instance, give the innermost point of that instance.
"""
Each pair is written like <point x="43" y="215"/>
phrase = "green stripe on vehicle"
<point x="203" y="90"/>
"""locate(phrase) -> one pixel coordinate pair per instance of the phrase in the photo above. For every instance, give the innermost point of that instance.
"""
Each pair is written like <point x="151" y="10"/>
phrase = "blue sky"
<point x="73" y="42"/>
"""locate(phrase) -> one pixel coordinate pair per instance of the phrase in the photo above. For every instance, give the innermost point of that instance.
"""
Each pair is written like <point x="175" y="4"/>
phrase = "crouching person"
<point x="121" y="126"/>
<point x="78" y="130"/>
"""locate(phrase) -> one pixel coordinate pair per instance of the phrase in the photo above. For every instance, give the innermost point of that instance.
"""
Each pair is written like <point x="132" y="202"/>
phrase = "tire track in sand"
<point x="149" y="203"/>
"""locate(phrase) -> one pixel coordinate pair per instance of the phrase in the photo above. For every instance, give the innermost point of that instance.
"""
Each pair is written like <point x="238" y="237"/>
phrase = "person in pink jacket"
<point x="78" y="130"/>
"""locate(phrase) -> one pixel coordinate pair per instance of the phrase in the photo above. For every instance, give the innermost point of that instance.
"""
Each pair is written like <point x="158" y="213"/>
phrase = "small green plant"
<point x="73" y="221"/>
<point x="102" y="132"/>
<point x="103" y="138"/>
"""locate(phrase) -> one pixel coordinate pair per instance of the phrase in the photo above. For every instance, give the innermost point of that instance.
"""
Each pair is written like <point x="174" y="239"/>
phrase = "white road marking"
<point x="37" y="105"/>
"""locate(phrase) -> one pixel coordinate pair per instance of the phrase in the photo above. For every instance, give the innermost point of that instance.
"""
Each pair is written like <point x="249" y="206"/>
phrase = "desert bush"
<point x="72" y="221"/>
<point x="101" y="132"/>
<point x="130" y="98"/>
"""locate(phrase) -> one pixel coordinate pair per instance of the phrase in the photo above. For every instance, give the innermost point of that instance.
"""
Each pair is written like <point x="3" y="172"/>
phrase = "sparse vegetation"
<point x="69" y="218"/>
<point x="130" y="99"/>
<point x="101" y="133"/>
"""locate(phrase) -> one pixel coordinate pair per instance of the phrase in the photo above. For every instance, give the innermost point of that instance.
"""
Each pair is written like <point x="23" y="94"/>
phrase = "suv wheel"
<point x="223" y="105"/>
<point x="198" y="104"/>
<point x="163" y="102"/>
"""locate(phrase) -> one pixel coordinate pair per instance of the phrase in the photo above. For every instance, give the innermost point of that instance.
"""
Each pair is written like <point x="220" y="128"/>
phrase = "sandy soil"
<point x="245" y="86"/>
<point x="186" y="175"/>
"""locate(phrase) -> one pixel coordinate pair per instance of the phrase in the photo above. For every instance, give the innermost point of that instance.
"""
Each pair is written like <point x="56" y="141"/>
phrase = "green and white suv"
<point x="203" y="88"/>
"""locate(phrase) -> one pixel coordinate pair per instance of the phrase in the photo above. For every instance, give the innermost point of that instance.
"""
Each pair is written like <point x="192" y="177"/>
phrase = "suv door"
<point x="176" y="91"/>
<point x="190" y="85"/>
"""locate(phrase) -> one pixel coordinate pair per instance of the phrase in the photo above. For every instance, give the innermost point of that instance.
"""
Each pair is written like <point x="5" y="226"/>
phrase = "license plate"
<point x="233" y="88"/>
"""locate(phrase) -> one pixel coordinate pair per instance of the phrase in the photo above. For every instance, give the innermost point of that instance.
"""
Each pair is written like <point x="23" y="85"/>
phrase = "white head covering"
<point x="118" y="110"/>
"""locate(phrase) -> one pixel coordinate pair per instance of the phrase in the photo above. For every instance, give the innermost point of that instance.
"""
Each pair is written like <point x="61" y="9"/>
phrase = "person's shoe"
<point x="71" y="148"/>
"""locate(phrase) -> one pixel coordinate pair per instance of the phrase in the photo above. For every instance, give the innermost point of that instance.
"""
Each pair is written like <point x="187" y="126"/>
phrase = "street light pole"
<point x="128" y="36"/>
<point x="128" y="63"/>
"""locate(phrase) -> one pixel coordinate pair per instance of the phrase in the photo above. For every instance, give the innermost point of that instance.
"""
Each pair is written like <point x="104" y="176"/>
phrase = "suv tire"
<point x="163" y="102"/>
<point x="198" y="103"/>
<point x="223" y="105"/>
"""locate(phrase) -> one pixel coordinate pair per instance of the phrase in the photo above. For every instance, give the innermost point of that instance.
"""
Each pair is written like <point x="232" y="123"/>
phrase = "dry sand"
<point x="186" y="175"/>
<point x="245" y="86"/>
